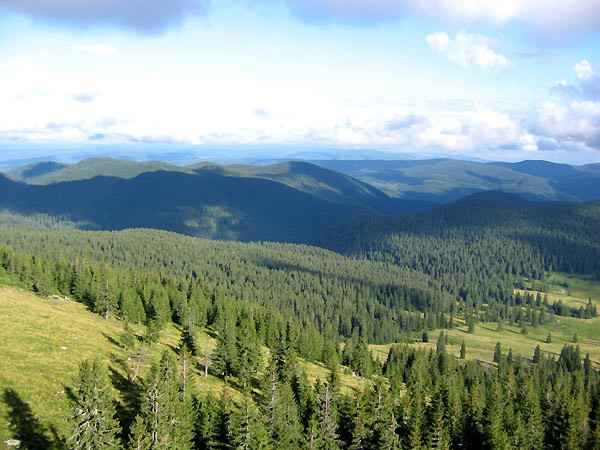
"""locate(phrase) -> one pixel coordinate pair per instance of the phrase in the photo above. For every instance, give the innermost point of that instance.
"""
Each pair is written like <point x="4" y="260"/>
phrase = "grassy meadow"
<point x="480" y="345"/>
<point x="43" y="341"/>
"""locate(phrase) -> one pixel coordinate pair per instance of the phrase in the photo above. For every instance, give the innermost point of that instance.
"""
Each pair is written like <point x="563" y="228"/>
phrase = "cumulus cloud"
<point x="469" y="49"/>
<point x="587" y="86"/>
<point x="142" y="16"/>
<point x="583" y="70"/>
<point x="575" y="121"/>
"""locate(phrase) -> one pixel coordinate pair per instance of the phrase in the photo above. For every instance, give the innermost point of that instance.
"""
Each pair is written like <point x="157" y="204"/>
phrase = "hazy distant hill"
<point x="50" y="172"/>
<point x="445" y="180"/>
<point x="34" y="171"/>
<point x="314" y="180"/>
<point x="581" y="182"/>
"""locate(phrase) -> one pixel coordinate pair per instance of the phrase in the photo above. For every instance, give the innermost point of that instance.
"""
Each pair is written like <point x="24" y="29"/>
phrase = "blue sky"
<point x="499" y="80"/>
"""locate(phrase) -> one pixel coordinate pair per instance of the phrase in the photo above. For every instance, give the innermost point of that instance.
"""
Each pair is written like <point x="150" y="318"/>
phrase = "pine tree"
<point x="211" y="425"/>
<point x="139" y="438"/>
<point x="189" y="341"/>
<point x="245" y="429"/>
<point x="463" y="350"/>
<point x="166" y="412"/>
<point x="286" y="430"/>
<point x="327" y="438"/>
<point x="93" y="411"/>
<point x="497" y="353"/>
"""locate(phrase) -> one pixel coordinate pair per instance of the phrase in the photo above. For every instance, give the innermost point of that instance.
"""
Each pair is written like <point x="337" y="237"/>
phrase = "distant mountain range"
<point x="287" y="202"/>
<point x="445" y="180"/>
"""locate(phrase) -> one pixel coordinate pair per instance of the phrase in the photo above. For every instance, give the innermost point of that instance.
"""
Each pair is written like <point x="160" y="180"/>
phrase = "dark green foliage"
<point x="203" y="203"/>
<point x="245" y="428"/>
<point x="188" y="341"/>
<point x="166" y="414"/>
<point x="93" y="411"/>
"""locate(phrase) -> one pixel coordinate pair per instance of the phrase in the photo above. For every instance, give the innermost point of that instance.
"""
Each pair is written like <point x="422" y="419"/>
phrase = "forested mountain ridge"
<point x="445" y="180"/>
<point x="305" y="177"/>
<point x="201" y="204"/>
<point x="327" y="184"/>
<point x="482" y="246"/>
<point x="49" y="172"/>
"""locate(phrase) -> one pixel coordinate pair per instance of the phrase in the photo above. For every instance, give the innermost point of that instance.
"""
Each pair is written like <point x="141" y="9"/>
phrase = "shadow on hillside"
<point x="112" y="340"/>
<point x="131" y="398"/>
<point x="26" y="427"/>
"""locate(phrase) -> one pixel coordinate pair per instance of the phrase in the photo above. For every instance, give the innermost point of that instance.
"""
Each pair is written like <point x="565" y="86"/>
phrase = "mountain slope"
<point x="326" y="184"/>
<point x="89" y="168"/>
<point x="581" y="182"/>
<point x="445" y="180"/>
<point x="202" y="204"/>
<point x="314" y="180"/>
<point x="30" y="173"/>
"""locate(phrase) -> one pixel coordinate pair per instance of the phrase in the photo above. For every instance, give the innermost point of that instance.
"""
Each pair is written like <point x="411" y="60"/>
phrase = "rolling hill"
<point x="445" y="180"/>
<point x="202" y="204"/>
<point x="322" y="183"/>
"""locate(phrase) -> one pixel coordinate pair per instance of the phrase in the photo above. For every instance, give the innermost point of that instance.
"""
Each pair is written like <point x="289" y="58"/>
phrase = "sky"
<point x="491" y="79"/>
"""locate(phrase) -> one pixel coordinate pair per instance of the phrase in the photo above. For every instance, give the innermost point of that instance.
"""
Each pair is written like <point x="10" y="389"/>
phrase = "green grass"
<point x="480" y="345"/>
<point x="45" y="339"/>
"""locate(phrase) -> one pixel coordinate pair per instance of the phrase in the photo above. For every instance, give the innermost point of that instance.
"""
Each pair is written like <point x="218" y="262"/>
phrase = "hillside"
<point x="319" y="182"/>
<point x="445" y="180"/>
<point x="50" y="336"/>
<point x="581" y="182"/>
<point x="49" y="172"/>
<point x="204" y="204"/>
<point x="327" y="184"/>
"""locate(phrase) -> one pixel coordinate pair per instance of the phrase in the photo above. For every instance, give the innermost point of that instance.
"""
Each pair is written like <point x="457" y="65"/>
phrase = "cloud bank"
<point x="141" y="16"/>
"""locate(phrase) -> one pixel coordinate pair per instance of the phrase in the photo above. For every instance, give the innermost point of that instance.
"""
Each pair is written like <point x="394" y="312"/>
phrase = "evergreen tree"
<point x="93" y="411"/>
<point x="245" y="429"/>
<point x="327" y="437"/>
<point x="165" y="411"/>
<point x="497" y="353"/>
<point x="463" y="350"/>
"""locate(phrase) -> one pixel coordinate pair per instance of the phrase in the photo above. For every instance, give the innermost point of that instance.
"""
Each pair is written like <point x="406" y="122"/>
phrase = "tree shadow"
<point x="27" y="428"/>
<point x="130" y="400"/>
<point x="112" y="340"/>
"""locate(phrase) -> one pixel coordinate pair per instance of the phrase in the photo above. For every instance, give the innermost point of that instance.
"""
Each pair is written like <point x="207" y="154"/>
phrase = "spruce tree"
<point x="246" y="430"/>
<point x="93" y="410"/>
<point x="166" y="412"/>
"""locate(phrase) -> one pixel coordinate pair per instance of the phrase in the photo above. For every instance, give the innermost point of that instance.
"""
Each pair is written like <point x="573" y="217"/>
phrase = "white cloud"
<point x="98" y="48"/>
<point x="583" y="70"/>
<point x="575" y="121"/>
<point x="469" y="49"/>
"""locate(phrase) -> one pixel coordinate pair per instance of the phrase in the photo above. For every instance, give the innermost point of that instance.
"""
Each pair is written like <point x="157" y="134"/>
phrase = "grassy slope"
<point x="481" y="344"/>
<point x="33" y="332"/>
